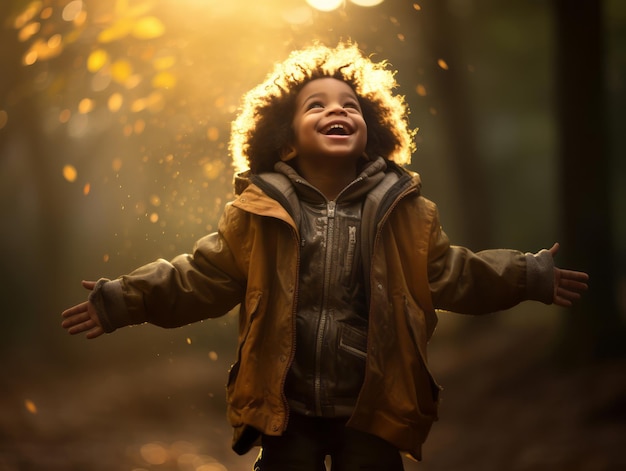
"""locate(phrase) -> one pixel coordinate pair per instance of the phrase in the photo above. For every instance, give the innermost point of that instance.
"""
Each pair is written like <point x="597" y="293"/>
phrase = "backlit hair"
<point x="262" y="130"/>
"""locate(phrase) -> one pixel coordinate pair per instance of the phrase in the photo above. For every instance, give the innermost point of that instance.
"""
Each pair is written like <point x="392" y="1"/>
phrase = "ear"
<point x="288" y="154"/>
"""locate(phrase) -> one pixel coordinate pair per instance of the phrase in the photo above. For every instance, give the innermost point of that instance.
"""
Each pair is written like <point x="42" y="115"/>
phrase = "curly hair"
<point x="262" y="130"/>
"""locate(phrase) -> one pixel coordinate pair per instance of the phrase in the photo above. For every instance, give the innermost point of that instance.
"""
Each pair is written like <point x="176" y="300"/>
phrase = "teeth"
<point x="335" y="126"/>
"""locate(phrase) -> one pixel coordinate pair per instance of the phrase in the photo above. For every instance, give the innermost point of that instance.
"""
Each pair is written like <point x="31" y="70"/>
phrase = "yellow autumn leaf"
<point x="96" y="60"/>
<point x="148" y="27"/>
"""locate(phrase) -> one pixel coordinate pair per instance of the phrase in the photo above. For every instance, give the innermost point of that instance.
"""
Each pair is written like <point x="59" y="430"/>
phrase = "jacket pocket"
<point x="353" y="341"/>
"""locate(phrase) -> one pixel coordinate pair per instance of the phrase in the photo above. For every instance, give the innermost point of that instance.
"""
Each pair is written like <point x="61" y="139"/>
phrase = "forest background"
<point x="114" y="121"/>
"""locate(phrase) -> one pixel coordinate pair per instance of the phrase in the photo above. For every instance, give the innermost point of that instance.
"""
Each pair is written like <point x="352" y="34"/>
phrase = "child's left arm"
<point x="568" y="284"/>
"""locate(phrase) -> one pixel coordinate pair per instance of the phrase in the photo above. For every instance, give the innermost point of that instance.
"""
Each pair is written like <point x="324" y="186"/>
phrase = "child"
<point x="338" y="264"/>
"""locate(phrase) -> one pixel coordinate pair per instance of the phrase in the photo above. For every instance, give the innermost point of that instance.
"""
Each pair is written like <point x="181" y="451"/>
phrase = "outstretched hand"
<point x="83" y="318"/>
<point x="568" y="284"/>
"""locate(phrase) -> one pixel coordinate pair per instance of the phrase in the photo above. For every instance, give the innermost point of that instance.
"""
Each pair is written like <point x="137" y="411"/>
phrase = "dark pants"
<point x="307" y="441"/>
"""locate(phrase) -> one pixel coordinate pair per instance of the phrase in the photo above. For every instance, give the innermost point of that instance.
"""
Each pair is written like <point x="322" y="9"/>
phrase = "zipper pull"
<point x="331" y="209"/>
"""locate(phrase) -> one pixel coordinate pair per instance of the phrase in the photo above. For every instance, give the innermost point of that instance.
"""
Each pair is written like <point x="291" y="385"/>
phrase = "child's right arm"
<point x="207" y="283"/>
<point x="83" y="318"/>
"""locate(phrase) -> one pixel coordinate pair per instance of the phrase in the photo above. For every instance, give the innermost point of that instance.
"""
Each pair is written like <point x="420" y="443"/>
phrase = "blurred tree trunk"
<point x="440" y="38"/>
<point x="593" y="327"/>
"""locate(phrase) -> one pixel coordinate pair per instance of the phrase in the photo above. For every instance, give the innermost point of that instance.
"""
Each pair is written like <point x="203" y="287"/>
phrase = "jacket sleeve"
<point x="191" y="287"/>
<point x="476" y="283"/>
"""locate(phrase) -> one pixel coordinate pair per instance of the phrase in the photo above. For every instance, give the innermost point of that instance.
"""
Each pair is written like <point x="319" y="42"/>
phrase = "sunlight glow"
<point x="325" y="5"/>
<point x="367" y="3"/>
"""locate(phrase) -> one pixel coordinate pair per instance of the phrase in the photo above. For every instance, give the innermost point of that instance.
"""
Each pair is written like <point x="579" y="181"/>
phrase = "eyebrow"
<point x="352" y="96"/>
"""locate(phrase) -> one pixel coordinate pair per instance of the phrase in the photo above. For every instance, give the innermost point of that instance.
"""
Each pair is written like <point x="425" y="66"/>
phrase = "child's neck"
<point x="329" y="179"/>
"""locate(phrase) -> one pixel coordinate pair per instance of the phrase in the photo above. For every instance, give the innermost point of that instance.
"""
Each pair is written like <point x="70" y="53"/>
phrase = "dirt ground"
<point x="504" y="407"/>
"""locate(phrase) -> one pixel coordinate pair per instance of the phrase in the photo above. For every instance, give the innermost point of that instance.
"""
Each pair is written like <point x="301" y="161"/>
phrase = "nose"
<point x="335" y="108"/>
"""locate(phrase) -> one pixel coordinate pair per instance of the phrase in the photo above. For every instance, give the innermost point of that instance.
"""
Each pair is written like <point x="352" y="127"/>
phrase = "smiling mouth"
<point x="336" y="129"/>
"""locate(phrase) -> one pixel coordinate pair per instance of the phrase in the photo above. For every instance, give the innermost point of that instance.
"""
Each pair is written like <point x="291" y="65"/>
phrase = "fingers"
<point x="554" y="249"/>
<point x="90" y="285"/>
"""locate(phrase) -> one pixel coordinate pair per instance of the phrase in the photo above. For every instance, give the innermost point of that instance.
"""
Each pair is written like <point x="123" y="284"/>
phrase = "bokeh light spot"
<point x="70" y="173"/>
<point x="154" y="218"/>
<point x="97" y="59"/>
<point x="28" y="31"/>
<point x="86" y="189"/>
<point x="115" y="102"/>
<point x="4" y="118"/>
<point x="213" y="134"/>
<point x="28" y="14"/>
<point x="121" y="70"/>
<point x="85" y="105"/>
<point x="116" y="165"/>
<point x="30" y="406"/>
<point x="213" y="355"/>
<point x="72" y="10"/>
<point x="149" y="27"/>
<point x="164" y="80"/>
<point x="443" y="64"/>
<point x="420" y="90"/>
<point x="153" y="453"/>
<point x="64" y="116"/>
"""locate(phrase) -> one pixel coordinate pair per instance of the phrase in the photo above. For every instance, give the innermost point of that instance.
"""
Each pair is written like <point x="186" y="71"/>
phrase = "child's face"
<point x="328" y="121"/>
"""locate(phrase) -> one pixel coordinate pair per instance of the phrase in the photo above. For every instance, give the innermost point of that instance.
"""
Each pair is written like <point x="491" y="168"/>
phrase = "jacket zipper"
<point x="321" y="327"/>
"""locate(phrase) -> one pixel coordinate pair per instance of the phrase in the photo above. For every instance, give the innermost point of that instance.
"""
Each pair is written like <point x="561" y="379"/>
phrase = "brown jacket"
<point x="253" y="260"/>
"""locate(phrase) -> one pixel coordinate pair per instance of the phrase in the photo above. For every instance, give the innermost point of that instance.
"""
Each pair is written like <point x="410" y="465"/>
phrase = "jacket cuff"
<point x="540" y="276"/>
<point x="108" y="299"/>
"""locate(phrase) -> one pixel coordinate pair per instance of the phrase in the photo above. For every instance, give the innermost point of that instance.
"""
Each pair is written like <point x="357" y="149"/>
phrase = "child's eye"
<point x="315" y="104"/>
<point x="352" y="104"/>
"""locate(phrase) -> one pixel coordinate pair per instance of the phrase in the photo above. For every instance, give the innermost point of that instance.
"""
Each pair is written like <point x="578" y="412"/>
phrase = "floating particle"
<point x="443" y="64"/>
<point x="188" y="341"/>
<point x="30" y="406"/>
<point x="86" y="189"/>
<point x="70" y="173"/>
<point x="213" y="355"/>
